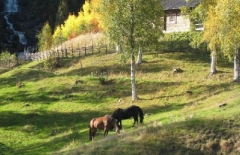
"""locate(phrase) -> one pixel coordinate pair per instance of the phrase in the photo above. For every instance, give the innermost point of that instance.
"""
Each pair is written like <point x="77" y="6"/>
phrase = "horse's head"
<point x="115" y="125"/>
<point x="116" y="113"/>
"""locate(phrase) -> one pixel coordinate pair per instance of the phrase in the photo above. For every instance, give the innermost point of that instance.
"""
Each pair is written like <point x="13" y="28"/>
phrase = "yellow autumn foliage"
<point x="222" y="29"/>
<point x="86" y="21"/>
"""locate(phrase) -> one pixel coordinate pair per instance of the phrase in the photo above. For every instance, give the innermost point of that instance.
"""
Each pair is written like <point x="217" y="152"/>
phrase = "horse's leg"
<point x="105" y="131"/>
<point x="135" y="120"/>
<point x="93" y="133"/>
<point x="92" y="136"/>
<point x="90" y="133"/>
<point x="120" y="123"/>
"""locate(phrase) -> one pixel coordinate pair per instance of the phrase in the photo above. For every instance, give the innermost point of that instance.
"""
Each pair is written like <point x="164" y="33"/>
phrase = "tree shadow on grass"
<point x="28" y="98"/>
<point x="118" y="69"/>
<point x="42" y="119"/>
<point x="23" y="75"/>
<point x="4" y="149"/>
<point x="190" y="57"/>
<point x="194" y="136"/>
<point x="154" y="109"/>
<point x="200" y="58"/>
<point x="211" y="90"/>
<point x="3" y="71"/>
<point x="58" y="127"/>
<point x="151" y="87"/>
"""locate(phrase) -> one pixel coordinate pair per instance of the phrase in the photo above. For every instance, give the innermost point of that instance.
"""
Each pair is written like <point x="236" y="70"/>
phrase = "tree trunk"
<point x="213" y="69"/>
<point x="236" y="65"/>
<point x="139" y="60"/>
<point x="118" y="48"/>
<point x="134" y="93"/>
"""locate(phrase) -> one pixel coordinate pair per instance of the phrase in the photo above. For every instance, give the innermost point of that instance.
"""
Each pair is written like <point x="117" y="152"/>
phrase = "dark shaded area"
<point x="48" y="124"/>
<point x="29" y="98"/>
<point x="30" y="18"/>
<point x="21" y="74"/>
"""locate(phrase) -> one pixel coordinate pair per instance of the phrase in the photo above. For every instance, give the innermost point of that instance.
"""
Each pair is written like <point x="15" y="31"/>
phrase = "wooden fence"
<point x="60" y="52"/>
<point x="64" y="51"/>
<point x="70" y="51"/>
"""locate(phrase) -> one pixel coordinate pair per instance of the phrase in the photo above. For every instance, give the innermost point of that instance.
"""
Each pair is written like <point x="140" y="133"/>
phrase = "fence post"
<point x="99" y="48"/>
<point x="17" y="58"/>
<point x="9" y="65"/>
<point x="179" y="46"/>
<point x="72" y="50"/>
<point x="106" y="49"/>
<point x="66" y="51"/>
<point x="85" y="50"/>
<point x="92" y="46"/>
<point x="58" y="53"/>
<point x="79" y="54"/>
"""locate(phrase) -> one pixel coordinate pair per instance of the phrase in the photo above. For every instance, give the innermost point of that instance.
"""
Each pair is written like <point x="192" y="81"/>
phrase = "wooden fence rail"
<point x="64" y="52"/>
<point x="70" y="51"/>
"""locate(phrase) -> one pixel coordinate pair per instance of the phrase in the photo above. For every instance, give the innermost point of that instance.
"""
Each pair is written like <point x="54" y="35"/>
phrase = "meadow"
<point x="48" y="111"/>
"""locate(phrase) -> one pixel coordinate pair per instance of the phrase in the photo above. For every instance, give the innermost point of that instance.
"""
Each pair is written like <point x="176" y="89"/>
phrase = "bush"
<point x="182" y="41"/>
<point x="7" y="59"/>
<point x="53" y="63"/>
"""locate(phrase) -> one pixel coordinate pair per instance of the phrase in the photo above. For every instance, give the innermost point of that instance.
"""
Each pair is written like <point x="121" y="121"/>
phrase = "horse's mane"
<point x="116" y="112"/>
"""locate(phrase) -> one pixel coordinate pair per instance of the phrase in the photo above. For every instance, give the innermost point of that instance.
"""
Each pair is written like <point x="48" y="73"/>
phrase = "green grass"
<point x="46" y="112"/>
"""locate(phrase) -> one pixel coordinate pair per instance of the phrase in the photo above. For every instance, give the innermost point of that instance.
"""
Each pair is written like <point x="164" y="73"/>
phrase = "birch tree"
<point x="211" y="38"/>
<point x="225" y="30"/>
<point x="132" y="25"/>
<point x="200" y="15"/>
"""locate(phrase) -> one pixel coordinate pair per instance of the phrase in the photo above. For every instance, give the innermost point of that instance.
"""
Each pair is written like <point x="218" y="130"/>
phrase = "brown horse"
<point x="105" y="123"/>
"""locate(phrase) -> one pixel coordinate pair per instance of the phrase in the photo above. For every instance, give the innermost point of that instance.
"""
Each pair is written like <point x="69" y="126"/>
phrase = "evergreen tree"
<point x="62" y="13"/>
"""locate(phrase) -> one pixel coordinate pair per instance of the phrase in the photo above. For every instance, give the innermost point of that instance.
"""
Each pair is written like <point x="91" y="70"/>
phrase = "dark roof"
<point x="177" y="4"/>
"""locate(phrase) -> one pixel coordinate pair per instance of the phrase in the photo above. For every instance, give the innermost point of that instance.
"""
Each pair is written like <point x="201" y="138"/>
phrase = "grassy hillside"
<point x="48" y="112"/>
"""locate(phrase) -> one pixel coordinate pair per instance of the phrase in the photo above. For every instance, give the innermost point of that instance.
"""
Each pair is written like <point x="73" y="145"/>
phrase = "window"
<point x="173" y="18"/>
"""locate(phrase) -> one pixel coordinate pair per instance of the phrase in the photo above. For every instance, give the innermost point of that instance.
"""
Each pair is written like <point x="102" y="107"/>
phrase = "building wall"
<point x="175" y="22"/>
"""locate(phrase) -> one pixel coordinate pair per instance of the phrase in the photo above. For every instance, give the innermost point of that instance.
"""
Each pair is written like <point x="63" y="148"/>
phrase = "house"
<point x="174" y="20"/>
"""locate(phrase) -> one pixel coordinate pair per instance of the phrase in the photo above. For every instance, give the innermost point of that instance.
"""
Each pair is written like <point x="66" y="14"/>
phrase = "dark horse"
<point x="132" y="111"/>
<point x="105" y="123"/>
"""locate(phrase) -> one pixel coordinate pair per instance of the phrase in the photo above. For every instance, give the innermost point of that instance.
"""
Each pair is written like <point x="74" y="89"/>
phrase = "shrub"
<point x="53" y="63"/>
<point x="7" y="59"/>
<point x="182" y="41"/>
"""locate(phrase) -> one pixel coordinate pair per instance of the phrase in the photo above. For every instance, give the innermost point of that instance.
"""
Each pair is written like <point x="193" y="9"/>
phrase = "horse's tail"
<point x="90" y="133"/>
<point x="140" y="114"/>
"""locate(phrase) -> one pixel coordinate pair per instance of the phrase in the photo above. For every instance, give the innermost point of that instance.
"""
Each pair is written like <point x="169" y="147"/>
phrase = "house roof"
<point x="177" y="4"/>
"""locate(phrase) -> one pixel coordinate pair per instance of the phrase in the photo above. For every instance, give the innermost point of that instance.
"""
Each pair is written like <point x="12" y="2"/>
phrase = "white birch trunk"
<point x="213" y="69"/>
<point x="134" y="93"/>
<point x="117" y="48"/>
<point x="236" y="65"/>
<point x="139" y="60"/>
